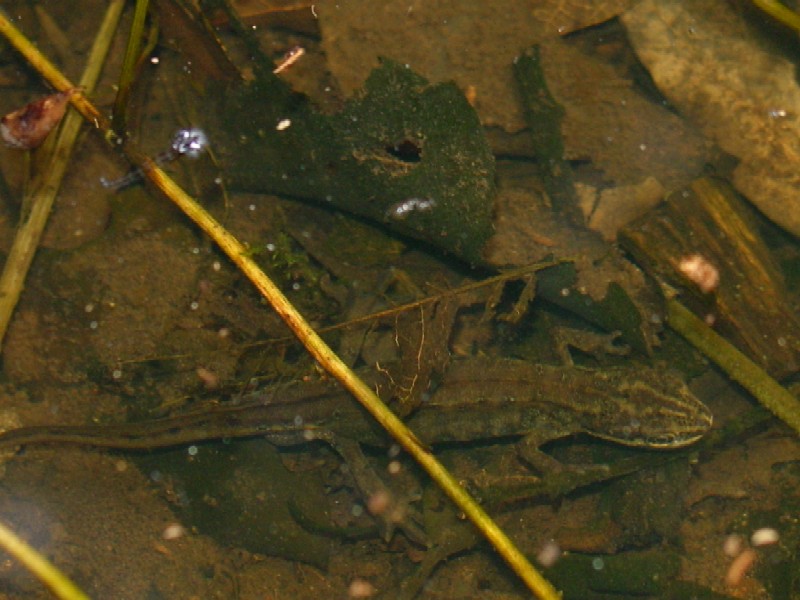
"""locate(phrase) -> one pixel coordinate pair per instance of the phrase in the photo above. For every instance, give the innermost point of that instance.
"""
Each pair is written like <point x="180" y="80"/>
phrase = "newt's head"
<point x="655" y="410"/>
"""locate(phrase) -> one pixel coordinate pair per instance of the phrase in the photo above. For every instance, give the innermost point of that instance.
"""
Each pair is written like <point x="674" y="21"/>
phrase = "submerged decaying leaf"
<point x="472" y="44"/>
<point x="414" y="157"/>
<point x="404" y="153"/>
<point x="723" y="75"/>
<point x="27" y="127"/>
<point x="606" y="120"/>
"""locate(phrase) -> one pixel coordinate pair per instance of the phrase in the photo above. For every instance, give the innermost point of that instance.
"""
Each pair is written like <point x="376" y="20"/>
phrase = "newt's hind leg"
<point x="390" y="509"/>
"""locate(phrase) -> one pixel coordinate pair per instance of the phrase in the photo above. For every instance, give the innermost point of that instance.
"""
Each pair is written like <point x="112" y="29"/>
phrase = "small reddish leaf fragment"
<point x="27" y="127"/>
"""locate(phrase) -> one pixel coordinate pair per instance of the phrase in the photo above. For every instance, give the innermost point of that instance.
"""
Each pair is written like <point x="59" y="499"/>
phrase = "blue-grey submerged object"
<point x="190" y="142"/>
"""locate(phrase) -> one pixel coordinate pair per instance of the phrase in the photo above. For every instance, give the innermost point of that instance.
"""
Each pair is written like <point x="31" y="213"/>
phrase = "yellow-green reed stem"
<point x="780" y="12"/>
<point x="735" y="364"/>
<point x="37" y="564"/>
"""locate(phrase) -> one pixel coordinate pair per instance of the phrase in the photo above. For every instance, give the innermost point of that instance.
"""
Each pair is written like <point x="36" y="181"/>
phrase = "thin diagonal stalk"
<point x="37" y="564"/>
<point x="333" y="364"/>
<point x="739" y="367"/>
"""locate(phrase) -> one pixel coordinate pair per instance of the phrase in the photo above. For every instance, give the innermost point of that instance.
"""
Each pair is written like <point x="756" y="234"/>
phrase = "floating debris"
<point x="740" y="566"/>
<point x="173" y="531"/>
<point x="292" y="56"/>
<point x="700" y="271"/>
<point x="549" y="554"/>
<point x="27" y="127"/>
<point x="765" y="536"/>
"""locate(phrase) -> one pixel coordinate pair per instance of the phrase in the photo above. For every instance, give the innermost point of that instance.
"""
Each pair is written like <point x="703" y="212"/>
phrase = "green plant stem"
<point x="780" y="12"/>
<point x="737" y="366"/>
<point x="37" y="564"/>
<point x="128" y="72"/>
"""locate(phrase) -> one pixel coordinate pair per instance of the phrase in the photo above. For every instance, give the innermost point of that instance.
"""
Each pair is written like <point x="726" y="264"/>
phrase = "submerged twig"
<point x="495" y="280"/>
<point x="237" y="252"/>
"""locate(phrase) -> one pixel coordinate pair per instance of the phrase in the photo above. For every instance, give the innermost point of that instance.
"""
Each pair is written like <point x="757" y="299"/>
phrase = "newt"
<point x="477" y="399"/>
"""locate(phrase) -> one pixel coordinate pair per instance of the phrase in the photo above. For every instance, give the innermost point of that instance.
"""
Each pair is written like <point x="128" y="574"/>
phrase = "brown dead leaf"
<point x="606" y="120"/>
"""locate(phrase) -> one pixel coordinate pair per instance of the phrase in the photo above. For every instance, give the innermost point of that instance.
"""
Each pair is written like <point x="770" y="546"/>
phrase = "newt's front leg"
<point x="588" y="342"/>
<point x="528" y="449"/>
